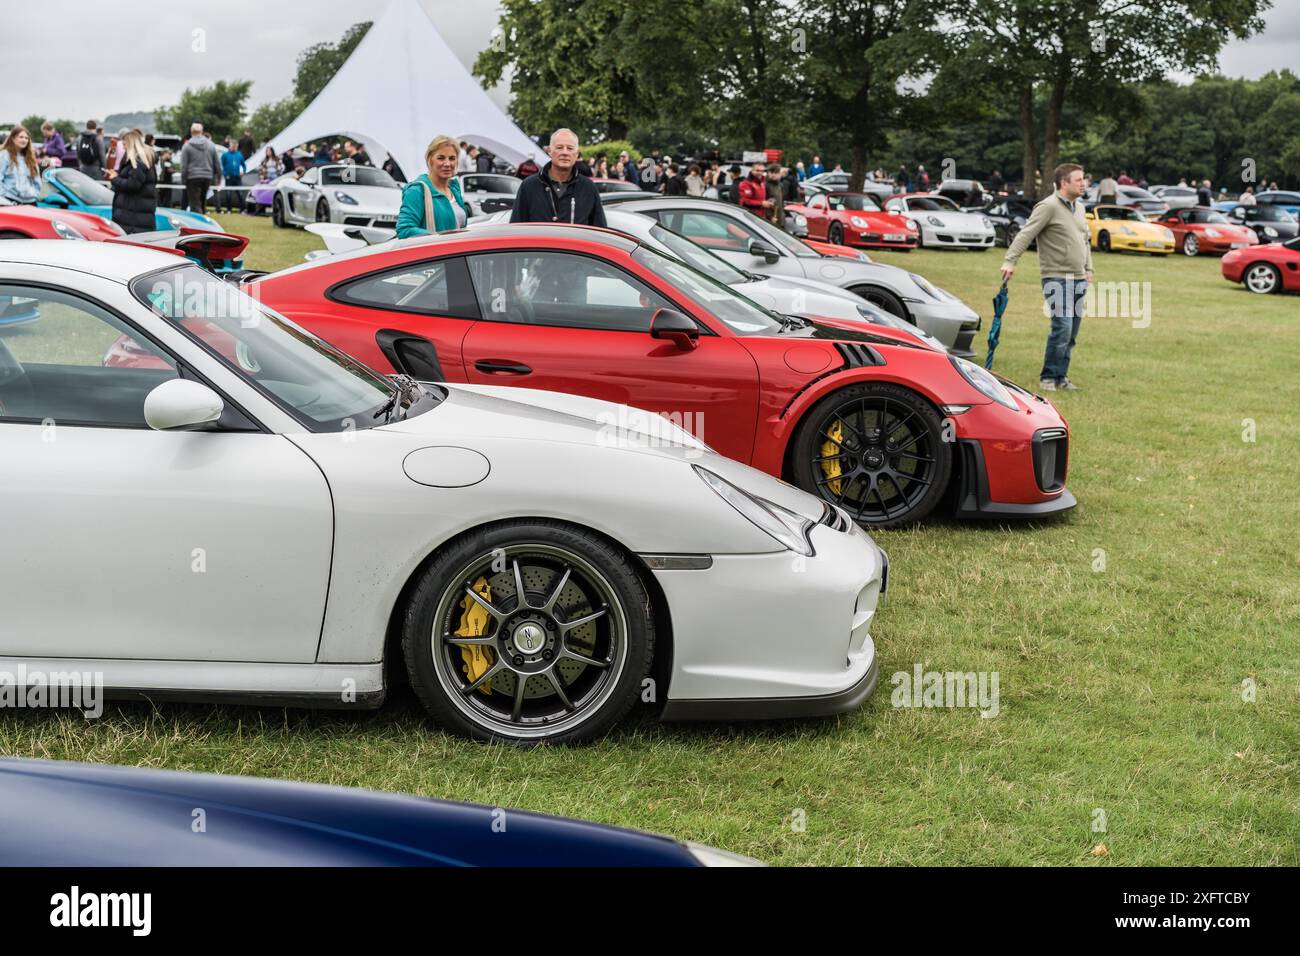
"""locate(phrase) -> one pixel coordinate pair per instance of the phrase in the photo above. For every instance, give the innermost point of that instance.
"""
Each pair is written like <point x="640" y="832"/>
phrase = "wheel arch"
<point x="394" y="663"/>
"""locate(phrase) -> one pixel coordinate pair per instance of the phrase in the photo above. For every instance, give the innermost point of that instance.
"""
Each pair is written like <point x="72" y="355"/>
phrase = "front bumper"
<point x="939" y="238"/>
<point x="759" y="636"/>
<point x="363" y="216"/>
<point x="880" y="239"/>
<point x="1140" y="244"/>
<point x="954" y="323"/>
<point x="1012" y="464"/>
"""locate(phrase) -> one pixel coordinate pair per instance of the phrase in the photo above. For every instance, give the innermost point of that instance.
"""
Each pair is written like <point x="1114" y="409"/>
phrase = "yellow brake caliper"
<point x="473" y="623"/>
<point x="831" y="467"/>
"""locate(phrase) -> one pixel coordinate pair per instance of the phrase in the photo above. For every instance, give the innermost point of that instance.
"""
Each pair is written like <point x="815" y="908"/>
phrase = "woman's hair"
<point x="137" y="150"/>
<point x="28" y="154"/>
<point x="437" y="144"/>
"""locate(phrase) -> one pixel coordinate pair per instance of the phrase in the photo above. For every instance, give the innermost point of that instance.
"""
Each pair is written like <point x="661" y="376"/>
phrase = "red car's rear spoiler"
<point x="212" y="249"/>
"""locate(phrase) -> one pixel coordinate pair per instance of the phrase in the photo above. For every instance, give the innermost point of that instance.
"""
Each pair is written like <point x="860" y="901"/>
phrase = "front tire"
<point x="877" y="451"/>
<point x="1261" y="278"/>
<point x="1191" y="245"/>
<point x="322" y="211"/>
<point x="835" y="235"/>
<point x="563" y="665"/>
<point x="884" y="299"/>
<point x="277" y="212"/>
<point x="1103" y="241"/>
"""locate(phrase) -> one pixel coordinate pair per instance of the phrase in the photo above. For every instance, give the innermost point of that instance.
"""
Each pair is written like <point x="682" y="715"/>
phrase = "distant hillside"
<point x="117" y="121"/>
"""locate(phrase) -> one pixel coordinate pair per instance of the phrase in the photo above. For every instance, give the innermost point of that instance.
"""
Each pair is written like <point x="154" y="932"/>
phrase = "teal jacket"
<point x="410" y="218"/>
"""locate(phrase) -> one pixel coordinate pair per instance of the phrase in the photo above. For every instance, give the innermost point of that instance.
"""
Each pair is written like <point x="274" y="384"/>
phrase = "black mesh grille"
<point x="1051" y="453"/>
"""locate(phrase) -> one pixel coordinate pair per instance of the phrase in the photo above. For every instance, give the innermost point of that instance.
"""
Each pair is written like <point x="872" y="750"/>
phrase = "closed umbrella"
<point x="995" y="329"/>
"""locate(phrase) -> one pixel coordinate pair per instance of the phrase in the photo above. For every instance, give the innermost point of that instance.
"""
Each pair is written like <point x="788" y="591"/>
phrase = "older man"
<point x="556" y="193"/>
<point x="1065" y="262"/>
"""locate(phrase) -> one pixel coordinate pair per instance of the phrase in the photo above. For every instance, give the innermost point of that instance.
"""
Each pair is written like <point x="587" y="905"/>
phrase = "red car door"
<point x="580" y="324"/>
<point x="818" y="216"/>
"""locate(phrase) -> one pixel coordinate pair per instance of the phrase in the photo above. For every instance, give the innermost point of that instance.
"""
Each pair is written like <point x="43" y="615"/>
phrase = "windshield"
<point x="1118" y="212"/>
<point x="319" y="385"/>
<point x="854" y="202"/>
<point x="84" y="188"/>
<point x="1271" y="213"/>
<point x="715" y="267"/>
<point x="355" y="176"/>
<point x="1134" y="192"/>
<point x="932" y="203"/>
<point x="741" y="315"/>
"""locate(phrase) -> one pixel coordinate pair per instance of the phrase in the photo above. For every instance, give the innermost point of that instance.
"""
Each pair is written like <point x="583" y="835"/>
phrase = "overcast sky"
<point x="80" y="59"/>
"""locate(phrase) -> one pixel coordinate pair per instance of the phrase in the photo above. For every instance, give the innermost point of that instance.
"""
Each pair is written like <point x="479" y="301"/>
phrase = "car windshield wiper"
<point x="791" y="322"/>
<point x="405" y="391"/>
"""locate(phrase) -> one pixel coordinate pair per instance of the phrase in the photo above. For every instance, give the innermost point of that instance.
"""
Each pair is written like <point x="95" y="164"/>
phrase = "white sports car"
<point x="347" y="194"/>
<point x="942" y="223"/>
<point x="201" y="499"/>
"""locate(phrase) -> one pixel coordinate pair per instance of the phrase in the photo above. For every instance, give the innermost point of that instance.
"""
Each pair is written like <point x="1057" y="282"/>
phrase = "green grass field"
<point x="1121" y="688"/>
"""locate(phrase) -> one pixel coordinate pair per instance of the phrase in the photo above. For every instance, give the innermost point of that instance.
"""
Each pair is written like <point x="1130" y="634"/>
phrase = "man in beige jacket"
<point x="1065" y="262"/>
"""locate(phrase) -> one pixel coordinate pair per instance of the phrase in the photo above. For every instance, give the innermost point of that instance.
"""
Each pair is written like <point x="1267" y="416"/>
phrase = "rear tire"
<point x="875" y="450"/>
<point x="585" y="615"/>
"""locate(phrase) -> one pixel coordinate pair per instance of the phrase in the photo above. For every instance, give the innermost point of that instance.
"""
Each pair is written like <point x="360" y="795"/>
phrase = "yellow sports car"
<point x="1119" y="228"/>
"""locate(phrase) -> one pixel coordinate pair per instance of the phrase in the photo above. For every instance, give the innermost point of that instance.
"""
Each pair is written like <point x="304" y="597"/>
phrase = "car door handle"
<point x="502" y="367"/>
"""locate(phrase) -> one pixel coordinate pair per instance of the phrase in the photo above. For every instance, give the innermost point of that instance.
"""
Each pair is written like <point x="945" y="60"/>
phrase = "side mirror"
<point x="679" y="329"/>
<point x="1089" y="215"/>
<point x="181" y="405"/>
<point x="761" y="250"/>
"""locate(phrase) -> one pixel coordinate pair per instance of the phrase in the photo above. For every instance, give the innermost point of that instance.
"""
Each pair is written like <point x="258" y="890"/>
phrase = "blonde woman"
<point x="135" y="185"/>
<point x="19" y="170"/>
<point x="432" y="201"/>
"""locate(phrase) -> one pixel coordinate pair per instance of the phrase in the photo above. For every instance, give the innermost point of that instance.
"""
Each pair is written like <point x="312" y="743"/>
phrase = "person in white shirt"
<point x="465" y="163"/>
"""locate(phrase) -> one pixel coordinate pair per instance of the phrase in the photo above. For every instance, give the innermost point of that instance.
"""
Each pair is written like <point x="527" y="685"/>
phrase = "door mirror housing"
<point x="676" y="327"/>
<point x="182" y="405"/>
<point x="761" y="250"/>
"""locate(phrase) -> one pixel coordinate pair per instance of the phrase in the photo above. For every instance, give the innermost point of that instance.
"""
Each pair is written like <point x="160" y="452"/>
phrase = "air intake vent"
<point x="857" y="355"/>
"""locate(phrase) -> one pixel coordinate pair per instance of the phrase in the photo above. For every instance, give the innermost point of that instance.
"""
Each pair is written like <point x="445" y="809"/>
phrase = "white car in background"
<point x="254" y="515"/>
<point x="754" y="245"/>
<point x="488" y="193"/>
<point x="1176" y="197"/>
<point x="344" y="193"/>
<point x="942" y="223"/>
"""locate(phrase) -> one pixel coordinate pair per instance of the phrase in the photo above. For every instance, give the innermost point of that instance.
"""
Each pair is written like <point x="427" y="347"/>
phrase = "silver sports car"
<point x="346" y="194"/>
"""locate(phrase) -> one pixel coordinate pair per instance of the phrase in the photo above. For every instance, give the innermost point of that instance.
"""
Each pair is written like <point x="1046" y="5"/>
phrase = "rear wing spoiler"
<point x="214" y="251"/>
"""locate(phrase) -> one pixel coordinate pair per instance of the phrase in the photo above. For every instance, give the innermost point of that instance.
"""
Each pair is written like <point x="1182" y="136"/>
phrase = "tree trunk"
<point x="1052" y="131"/>
<point x="616" y="129"/>
<point x="1029" y="158"/>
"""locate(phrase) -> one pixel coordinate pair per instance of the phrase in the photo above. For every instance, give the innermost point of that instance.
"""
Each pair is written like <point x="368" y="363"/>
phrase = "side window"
<point x="896" y="205"/>
<point x="818" y="202"/>
<point x="561" y="289"/>
<point x="471" y="184"/>
<point x="715" y="231"/>
<point x="439" y="287"/>
<point x="68" y="360"/>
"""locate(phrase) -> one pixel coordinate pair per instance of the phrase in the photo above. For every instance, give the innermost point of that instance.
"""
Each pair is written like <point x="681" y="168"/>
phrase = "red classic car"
<point x="856" y="219"/>
<point x="1273" y="267"/>
<point x="1200" y="230"/>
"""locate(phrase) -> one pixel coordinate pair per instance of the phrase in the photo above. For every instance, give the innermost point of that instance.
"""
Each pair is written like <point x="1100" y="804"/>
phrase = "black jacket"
<point x="675" y="185"/>
<point x="536" y="201"/>
<point x="135" y="197"/>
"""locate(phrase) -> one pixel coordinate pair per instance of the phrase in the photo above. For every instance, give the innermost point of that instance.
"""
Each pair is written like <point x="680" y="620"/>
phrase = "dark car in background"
<point x="1272" y="223"/>
<point x="1008" y="217"/>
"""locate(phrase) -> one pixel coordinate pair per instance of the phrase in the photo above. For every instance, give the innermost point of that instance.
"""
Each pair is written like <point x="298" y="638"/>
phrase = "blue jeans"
<point x="1065" y="303"/>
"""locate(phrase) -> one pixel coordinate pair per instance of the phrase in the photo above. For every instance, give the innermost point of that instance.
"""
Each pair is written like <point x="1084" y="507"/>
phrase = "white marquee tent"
<point x="402" y="86"/>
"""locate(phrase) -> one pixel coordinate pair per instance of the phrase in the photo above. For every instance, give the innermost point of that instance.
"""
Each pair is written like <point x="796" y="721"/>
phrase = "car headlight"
<point x="984" y="382"/>
<point x="1168" y="234"/>
<point x="934" y="220"/>
<point x="1212" y="232"/>
<point x="988" y="223"/>
<point x="175" y="222"/>
<point x="925" y="286"/>
<point x="1270" y="232"/>
<point x="800" y="222"/>
<point x="64" y="231"/>
<point x="1126" y="231"/>
<point x="787" y="528"/>
<point x="345" y="198"/>
<point x="859" y="223"/>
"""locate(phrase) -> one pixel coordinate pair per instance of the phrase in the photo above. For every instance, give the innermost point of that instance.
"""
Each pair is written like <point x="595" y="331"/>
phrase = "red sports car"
<point x="885" y="430"/>
<point x="1274" y="267"/>
<point x="1201" y="230"/>
<point x="856" y="219"/>
<point x="40" y="222"/>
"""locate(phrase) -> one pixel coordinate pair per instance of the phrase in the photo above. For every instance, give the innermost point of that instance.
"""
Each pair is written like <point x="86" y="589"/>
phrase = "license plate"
<point x="971" y="238"/>
<point x="894" y="237"/>
<point x="1154" y="244"/>
<point x="1238" y="245"/>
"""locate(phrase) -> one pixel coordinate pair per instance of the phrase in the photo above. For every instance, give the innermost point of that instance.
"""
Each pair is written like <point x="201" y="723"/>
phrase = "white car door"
<point x="729" y="238"/>
<point x="117" y="541"/>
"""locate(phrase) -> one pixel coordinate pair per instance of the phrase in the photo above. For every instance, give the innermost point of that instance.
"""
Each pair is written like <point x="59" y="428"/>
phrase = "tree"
<point x="67" y="127"/>
<point x="568" y="66"/>
<point x="861" y="53"/>
<point x="220" y="108"/>
<point x="270" y="118"/>
<point x="318" y="63"/>
<point x="1082" y="49"/>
